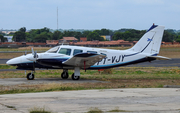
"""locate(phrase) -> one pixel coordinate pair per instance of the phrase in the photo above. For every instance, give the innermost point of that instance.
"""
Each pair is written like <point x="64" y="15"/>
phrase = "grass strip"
<point x="125" y="77"/>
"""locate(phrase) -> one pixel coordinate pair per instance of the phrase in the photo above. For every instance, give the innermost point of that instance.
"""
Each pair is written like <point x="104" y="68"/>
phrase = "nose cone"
<point x="13" y="61"/>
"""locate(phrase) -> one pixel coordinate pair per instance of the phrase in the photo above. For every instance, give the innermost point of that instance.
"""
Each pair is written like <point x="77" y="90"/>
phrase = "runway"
<point x="175" y="62"/>
<point x="3" y="61"/>
<point x="20" y="81"/>
<point x="132" y="100"/>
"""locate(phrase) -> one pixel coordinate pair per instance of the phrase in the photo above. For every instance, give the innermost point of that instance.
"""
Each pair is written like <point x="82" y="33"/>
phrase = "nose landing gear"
<point x="30" y="76"/>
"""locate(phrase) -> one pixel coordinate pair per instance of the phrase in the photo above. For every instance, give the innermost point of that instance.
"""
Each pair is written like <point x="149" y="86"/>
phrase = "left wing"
<point x="84" y="60"/>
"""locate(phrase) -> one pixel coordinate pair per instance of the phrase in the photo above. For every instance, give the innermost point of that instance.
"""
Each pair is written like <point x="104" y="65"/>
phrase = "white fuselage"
<point x="113" y="58"/>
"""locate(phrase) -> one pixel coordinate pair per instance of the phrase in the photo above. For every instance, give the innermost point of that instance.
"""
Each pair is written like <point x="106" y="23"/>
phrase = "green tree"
<point x="178" y="39"/>
<point x="167" y="36"/>
<point x="98" y="32"/>
<point x="78" y="35"/>
<point x="85" y="33"/>
<point x="3" y="39"/>
<point x="94" y="36"/>
<point x="45" y="29"/>
<point x="68" y="33"/>
<point x="20" y="35"/>
<point x="23" y="29"/>
<point x="36" y="35"/>
<point x="57" y="35"/>
<point x="105" y="32"/>
<point x="118" y="36"/>
<point x="42" y="37"/>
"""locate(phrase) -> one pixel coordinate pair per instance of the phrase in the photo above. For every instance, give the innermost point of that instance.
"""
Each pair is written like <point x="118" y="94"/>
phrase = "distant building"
<point x="52" y="42"/>
<point x="67" y="40"/>
<point x="9" y="38"/>
<point x="83" y="39"/>
<point x="106" y="37"/>
<point x="7" y="31"/>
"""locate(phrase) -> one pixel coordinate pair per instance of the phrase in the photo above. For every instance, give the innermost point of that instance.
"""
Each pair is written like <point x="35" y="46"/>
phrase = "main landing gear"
<point x="75" y="75"/>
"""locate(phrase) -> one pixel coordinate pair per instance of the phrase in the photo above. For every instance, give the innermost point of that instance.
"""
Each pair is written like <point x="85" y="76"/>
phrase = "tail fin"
<point x="150" y="42"/>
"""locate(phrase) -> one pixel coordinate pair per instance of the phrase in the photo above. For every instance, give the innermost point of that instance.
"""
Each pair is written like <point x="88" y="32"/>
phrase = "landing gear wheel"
<point x="64" y="75"/>
<point x="30" y="76"/>
<point x="75" y="77"/>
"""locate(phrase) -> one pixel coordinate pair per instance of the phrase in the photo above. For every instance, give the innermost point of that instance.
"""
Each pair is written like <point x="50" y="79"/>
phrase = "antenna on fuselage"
<point x="63" y="42"/>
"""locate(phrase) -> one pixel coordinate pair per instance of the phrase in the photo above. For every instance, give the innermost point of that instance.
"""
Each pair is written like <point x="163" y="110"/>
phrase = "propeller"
<point x="25" y="53"/>
<point x="35" y="56"/>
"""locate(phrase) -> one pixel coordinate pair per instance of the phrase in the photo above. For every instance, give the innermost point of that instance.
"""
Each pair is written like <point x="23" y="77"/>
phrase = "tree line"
<point x="41" y="35"/>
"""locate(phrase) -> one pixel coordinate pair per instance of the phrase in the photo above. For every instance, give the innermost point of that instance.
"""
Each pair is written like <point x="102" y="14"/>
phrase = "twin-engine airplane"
<point x="73" y="57"/>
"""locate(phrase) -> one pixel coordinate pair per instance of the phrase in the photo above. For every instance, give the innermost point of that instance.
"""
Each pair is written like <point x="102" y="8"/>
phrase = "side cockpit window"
<point x="65" y="51"/>
<point x="76" y="51"/>
<point x="53" y="50"/>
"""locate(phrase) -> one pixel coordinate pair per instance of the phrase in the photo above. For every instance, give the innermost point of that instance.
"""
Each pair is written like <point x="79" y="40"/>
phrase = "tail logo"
<point x="149" y="40"/>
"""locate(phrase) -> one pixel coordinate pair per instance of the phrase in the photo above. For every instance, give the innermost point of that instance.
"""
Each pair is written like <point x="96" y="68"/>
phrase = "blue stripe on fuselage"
<point x="121" y="64"/>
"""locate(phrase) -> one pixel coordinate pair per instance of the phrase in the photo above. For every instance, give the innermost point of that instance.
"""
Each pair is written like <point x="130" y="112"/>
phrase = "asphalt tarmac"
<point x="175" y="62"/>
<point x="19" y="81"/>
<point x="132" y="100"/>
<point x="3" y="61"/>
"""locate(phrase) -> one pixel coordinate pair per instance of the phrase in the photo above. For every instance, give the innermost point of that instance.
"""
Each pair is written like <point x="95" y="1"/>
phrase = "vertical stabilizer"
<point x="150" y="42"/>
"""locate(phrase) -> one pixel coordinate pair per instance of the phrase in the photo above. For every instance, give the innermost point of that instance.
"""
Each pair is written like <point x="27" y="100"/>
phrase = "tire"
<point x="64" y="75"/>
<point x="75" y="77"/>
<point x="30" y="76"/>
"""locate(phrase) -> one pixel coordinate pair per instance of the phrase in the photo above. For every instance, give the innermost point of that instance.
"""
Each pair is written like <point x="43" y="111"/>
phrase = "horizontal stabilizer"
<point x="84" y="59"/>
<point x="159" y="57"/>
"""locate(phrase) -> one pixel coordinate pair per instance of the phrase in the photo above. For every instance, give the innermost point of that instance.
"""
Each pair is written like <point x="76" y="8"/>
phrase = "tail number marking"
<point x="113" y="59"/>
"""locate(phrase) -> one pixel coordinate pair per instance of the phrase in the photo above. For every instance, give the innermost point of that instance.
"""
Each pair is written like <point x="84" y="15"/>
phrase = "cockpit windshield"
<point x="65" y="51"/>
<point x="53" y="50"/>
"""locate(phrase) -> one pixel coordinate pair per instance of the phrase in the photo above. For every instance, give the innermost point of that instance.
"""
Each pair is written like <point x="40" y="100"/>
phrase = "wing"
<point x="159" y="57"/>
<point x="84" y="60"/>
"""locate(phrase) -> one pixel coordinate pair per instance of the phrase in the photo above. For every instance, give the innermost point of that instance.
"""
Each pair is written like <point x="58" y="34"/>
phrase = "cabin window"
<point x="53" y="50"/>
<point x="92" y="51"/>
<point x="65" y="51"/>
<point x="76" y="51"/>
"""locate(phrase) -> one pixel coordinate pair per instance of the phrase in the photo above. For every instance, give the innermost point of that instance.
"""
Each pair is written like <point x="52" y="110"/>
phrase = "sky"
<point x="89" y="14"/>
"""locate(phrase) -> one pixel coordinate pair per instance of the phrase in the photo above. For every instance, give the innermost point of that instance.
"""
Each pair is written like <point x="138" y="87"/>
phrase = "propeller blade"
<point x="33" y="57"/>
<point x="32" y="51"/>
<point x="25" y="53"/>
<point x="35" y="54"/>
<point x="34" y="66"/>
